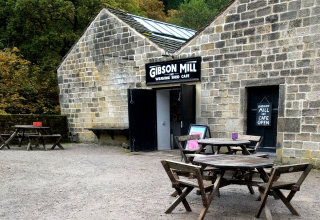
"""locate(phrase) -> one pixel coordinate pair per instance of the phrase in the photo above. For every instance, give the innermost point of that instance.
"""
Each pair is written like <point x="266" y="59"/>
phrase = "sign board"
<point x="184" y="70"/>
<point x="201" y="130"/>
<point x="263" y="116"/>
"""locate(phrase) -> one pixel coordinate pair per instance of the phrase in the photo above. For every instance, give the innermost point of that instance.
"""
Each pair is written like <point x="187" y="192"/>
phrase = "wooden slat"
<point x="250" y="137"/>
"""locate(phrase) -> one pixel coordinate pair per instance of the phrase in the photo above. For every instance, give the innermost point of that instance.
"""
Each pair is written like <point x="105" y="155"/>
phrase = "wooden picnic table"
<point x="245" y="164"/>
<point x="21" y="131"/>
<point x="224" y="142"/>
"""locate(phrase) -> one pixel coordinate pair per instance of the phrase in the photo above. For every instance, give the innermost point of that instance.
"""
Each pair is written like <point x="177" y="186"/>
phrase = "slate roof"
<point x="170" y="39"/>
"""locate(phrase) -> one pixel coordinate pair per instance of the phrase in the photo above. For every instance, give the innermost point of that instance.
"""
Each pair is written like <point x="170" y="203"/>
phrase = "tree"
<point x="195" y="14"/>
<point x="217" y="5"/>
<point x="130" y="6"/>
<point x="22" y="88"/>
<point x="171" y="4"/>
<point x="44" y="31"/>
<point x="153" y="9"/>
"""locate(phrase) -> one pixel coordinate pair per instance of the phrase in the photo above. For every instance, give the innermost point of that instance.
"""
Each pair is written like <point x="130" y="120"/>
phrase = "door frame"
<point x="281" y="105"/>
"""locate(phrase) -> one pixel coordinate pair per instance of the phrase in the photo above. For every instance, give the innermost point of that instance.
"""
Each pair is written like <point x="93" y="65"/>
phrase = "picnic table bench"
<point x="42" y="137"/>
<point x="40" y="134"/>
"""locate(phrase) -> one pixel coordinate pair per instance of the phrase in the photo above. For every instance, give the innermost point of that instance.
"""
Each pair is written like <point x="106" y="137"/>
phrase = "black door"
<point x="187" y="107"/>
<point x="142" y="119"/>
<point x="258" y="95"/>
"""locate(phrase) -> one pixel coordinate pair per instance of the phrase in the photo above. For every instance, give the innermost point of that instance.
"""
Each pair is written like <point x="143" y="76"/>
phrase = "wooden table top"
<point x="30" y="127"/>
<point x="223" y="141"/>
<point x="226" y="161"/>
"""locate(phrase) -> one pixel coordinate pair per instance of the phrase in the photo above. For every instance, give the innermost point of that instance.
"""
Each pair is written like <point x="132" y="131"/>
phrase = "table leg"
<point x="244" y="150"/>
<point x="6" y="143"/>
<point x="22" y="137"/>
<point x="201" y="146"/>
<point x="264" y="176"/>
<point x="212" y="194"/>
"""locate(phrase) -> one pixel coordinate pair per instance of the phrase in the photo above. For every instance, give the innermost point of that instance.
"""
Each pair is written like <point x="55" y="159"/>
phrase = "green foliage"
<point x="217" y="5"/>
<point x="130" y="6"/>
<point x="195" y="14"/>
<point x="171" y="4"/>
<point x="22" y="88"/>
<point x="44" y="31"/>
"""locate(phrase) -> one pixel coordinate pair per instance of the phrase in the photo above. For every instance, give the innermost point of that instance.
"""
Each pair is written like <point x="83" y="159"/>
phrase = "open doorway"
<point x="161" y="114"/>
<point x="175" y="112"/>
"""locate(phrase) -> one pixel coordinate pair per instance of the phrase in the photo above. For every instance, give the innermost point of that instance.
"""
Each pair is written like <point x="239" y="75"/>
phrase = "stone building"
<point x="256" y="56"/>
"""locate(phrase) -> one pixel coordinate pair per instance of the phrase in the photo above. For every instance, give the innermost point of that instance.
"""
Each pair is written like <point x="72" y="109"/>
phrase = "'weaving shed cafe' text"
<point x="173" y="71"/>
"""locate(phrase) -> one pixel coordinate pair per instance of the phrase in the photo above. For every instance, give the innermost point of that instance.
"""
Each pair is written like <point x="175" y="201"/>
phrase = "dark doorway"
<point x="142" y="106"/>
<point x="142" y="119"/>
<point x="182" y="110"/>
<point x="187" y="107"/>
<point x="258" y="95"/>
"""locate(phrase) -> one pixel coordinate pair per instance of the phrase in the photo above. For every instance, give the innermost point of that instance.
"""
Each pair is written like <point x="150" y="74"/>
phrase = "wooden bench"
<point x="56" y="137"/>
<point x="110" y="130"/>
<point x="20" y="136"/>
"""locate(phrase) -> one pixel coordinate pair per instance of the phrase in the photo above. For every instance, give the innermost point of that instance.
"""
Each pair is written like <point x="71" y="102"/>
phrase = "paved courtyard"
<point x="88" y="181"/>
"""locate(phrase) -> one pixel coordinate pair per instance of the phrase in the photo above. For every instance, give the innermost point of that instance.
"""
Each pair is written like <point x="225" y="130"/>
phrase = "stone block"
<point x="315" y="154"/>
<point x="232" y="18"/>
<point x="310" y="112"/>
<point x="309" y="128"/>
<point x="280" y="8"/>
<point x="288" y="152"/>
<point x="289" y="137"/>
<point x="249" y="31"/>
<point x="225" y="35"/>
<point x="241" y="25"/>
<point x="256" y="53"/>
<point x="289" y="124"/>
<point x="307" y="3"/>
<point x="256" y="22"/>
<point x="228" y="27"/>
<point x="272" y="18"/>
<point x="292" y="89"/>
<point x="315" y="138"/>
<point x="314" y="104"/>
<point x="248" y="15"/>
<point x="241" y="8"/>
<point x="288" y="16"/>
<point x="297" y="144"/>
<point x="220" y="44"/>
<point x="263" y="11"/>
<point x="271" y="37"/>
<point x="303" y="137"/>
<point x="257" y="4"/>
<point x="315" y="11"/>
<point x="301" y="80"/>
<point x="304" y="13"/>
<point x="294" y="5"/>
<point x="278" y="65"/>
<point x="280" y="57"/>
<point x="304" y="88"/>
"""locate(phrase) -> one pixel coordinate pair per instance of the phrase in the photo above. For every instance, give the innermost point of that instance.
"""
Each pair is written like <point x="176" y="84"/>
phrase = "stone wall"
<point x="260" y="43"/>
<point x="93" y="79"/>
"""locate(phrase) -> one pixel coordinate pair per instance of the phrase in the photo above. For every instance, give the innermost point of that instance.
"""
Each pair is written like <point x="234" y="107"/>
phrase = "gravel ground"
<point x="87" y="181"/>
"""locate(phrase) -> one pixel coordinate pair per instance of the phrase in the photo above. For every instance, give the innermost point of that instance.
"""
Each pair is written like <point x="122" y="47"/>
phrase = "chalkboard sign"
<point x="201" y="130"/>
<point x="263" y="117"/>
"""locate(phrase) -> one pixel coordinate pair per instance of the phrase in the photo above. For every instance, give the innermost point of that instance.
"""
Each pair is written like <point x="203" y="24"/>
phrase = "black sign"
<point x="263" y="117"/>
<point x="185" y="70"/>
